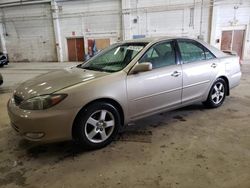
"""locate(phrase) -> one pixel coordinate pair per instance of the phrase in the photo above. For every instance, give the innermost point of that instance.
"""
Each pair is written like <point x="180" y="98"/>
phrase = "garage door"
<point x="30" y="34"/>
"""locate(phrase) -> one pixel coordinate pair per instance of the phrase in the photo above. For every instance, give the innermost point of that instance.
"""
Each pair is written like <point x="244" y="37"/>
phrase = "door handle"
<point x="214" y="65"/>
<point x="176" y="74"/>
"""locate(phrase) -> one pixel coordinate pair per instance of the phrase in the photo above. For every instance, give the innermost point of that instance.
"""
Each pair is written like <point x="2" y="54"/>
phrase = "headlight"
<point x="42" y="102"/>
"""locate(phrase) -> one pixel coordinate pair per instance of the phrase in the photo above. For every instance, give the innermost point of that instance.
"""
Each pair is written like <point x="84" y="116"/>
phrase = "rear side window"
<point x="191" y="52"/>
<point x="209" y="55"/>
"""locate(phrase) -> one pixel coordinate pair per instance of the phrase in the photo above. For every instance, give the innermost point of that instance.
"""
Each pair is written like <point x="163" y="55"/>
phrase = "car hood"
<point x="56" y="80"/>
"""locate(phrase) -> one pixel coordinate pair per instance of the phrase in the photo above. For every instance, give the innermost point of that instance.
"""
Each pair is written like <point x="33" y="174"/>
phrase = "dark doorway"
<point x="233" y="40"/>
<point x="75" y="49"/>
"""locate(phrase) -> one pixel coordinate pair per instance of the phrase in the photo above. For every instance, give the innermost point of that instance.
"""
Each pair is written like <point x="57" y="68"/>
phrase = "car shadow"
<point x="59" y="150"/>
<point x="140" y="131"/>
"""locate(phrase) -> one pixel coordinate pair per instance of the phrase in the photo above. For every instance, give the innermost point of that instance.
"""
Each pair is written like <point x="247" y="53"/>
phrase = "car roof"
<point x="149" y="39"/>
<point x="214" y="50"/>
<point x="157" y="39"/>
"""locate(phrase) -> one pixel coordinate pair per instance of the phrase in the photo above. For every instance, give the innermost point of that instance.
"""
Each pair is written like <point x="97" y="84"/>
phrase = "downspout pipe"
<point x="201" y="18"/>
<point x="211" y="9"/>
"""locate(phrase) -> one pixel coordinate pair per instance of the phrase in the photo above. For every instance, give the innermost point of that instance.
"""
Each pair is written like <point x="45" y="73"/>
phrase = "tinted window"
<point x="209" y="55"/>
<point x="160" y="55"/>
<point x="191" y="52"/>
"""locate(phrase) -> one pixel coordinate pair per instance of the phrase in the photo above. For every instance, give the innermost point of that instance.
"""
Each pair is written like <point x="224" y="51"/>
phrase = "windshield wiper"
<point x="79" y="65"/>
<point x="93" y="68"/>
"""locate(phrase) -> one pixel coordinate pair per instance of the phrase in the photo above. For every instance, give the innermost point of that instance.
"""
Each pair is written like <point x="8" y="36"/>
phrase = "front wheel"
<point x="97" y="125"/>
<point x="217" y="94"/>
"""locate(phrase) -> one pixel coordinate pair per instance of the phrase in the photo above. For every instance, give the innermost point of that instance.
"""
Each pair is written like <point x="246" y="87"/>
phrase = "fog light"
<point x="34" y="135"/>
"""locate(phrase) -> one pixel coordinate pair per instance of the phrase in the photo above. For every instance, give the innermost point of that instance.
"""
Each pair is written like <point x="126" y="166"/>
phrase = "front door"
<point x="160" y="88"/>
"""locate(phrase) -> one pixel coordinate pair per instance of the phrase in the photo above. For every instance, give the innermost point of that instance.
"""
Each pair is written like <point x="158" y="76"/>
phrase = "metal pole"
<point x="201" y="17"/>
<point x="57" y="30"/>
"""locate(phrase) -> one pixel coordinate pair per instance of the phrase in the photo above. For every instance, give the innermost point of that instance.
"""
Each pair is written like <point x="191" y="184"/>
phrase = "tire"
<point x="97" y="125"/>
<point x="217" y="94"/>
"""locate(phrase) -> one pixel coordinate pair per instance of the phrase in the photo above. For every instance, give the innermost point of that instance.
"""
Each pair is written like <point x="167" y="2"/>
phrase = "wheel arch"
<point x="108" y="100"/>
<point x="227" y="84"/>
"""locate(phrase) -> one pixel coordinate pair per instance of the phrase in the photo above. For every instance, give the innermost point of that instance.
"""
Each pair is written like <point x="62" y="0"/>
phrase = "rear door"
<point x="199" y="67"/>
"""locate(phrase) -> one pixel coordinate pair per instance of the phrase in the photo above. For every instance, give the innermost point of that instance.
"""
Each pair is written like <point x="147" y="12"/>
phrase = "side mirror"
<point x="141" y="67"/>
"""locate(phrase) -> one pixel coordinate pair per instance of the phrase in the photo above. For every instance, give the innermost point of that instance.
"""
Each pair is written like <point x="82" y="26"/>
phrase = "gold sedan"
<point x="125" y="82"/>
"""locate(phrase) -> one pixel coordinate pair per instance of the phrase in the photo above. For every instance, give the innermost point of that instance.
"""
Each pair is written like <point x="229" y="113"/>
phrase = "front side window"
<point x="160" y="55"/>
<point x="115" y="58"/>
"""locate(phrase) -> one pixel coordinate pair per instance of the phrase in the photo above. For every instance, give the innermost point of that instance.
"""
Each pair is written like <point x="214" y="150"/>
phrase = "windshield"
<point x="115" y="58"/>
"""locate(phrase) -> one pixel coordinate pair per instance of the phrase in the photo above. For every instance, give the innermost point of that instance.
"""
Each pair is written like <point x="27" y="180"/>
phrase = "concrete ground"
<point x="190" y="147"/>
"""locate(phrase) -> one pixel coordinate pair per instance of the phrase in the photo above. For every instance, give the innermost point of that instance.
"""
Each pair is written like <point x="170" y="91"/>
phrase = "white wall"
<point x="33" y="35"/>
<point x="91" y="20"/>
<point x="162" y="17"/>
<point x="29" y="33"/>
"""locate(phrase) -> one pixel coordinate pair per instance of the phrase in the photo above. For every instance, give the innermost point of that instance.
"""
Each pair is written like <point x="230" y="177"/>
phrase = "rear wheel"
<point x="97" y="125"/>
<point x="217" y="94"/>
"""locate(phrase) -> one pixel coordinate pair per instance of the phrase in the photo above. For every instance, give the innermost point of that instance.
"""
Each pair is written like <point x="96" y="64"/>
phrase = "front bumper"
<point x="42" y="125"/>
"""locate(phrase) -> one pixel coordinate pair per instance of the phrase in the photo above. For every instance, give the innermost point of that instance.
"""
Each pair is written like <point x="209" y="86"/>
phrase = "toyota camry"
<point x="127" y="81"/>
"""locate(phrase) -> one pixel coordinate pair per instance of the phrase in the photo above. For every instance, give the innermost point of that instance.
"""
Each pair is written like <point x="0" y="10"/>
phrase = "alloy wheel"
<point x="218" y="93"/>
<point x="99" y="126"/>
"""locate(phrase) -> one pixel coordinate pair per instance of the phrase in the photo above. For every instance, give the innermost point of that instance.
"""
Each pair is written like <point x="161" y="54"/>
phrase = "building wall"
<point x="173" y="18"/>
<point x="39" y="32"/>
<point x="231" y="15"/>
<point x="89" y="20"/>
<point x="29" y="34"/>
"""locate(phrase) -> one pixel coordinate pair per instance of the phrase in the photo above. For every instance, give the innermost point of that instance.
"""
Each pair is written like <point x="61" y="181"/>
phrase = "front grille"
<point x="17" y="99"/>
